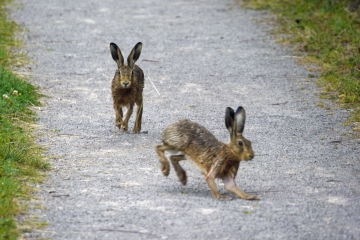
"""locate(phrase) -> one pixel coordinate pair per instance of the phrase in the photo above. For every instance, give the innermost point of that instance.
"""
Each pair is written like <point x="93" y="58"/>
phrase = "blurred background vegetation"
<point x="21" y="160"/>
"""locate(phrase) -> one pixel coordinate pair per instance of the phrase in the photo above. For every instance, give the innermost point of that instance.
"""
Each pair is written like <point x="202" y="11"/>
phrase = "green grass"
<point x="327" y="32"/>
<point x="21" y="159"/>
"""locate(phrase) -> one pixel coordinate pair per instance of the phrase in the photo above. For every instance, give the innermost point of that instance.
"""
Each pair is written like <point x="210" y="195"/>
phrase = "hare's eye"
<point x="240" y="143"/>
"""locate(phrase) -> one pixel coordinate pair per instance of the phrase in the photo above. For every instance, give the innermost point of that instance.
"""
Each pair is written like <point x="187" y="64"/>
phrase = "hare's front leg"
<point x="230" y="185"/>
<point x="118" y="115"/>
<point x="137" y="126"/>
<point x="124" y="125"/>
<point x="210" y="180"/>
<point x="214" y="191"/>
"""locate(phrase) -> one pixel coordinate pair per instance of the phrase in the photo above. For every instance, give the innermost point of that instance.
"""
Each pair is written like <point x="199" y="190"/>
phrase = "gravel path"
<point x="198" y="58"/>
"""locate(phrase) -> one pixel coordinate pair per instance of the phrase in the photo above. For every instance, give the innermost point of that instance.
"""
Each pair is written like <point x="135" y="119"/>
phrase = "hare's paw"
<point x="182" y="177"/>
<point x="124" y="126"/>
<point x="222" y="197"/>
<point x="165" y="168"/>
<point x="118" y="124"/>
<point x="218" y="196"/>
<point x="136" y="129"/>
<point x="251" y="197"/>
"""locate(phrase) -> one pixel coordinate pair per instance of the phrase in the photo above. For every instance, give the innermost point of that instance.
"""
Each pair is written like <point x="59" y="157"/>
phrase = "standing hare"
<point x="216" y="159"/>
<point x="127" y="87"/>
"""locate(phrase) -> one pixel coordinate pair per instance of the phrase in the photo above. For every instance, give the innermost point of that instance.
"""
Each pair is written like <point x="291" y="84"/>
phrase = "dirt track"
<point x="198" y="58"/>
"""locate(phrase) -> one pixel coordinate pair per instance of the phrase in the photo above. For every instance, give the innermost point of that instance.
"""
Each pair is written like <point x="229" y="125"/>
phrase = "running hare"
<point x="216" y="159"/>
<point x="127" y="87"/>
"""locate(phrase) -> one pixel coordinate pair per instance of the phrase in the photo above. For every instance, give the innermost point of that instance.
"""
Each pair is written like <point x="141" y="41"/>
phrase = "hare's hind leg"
<point x="165" y="166"/>
<point x="230" y="185"/>
<point x="175" y="159"/>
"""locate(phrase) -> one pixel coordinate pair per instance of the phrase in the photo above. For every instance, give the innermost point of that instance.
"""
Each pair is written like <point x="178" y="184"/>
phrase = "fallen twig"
<point x="127" y="231"/>
<point x="149" y="60"/>
<point x="60" y="195"/>
<point x="333" y="180"/>
<point x="279" y="103"/>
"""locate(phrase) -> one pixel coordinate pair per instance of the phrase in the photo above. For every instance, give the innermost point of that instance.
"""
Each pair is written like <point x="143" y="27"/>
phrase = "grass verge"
<point x="327" y="32"/>
<point x="20" y="158"/>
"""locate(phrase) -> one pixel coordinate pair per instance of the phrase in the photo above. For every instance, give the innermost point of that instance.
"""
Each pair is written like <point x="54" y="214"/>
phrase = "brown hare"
<point x="127" y="87"/>
<point x="216" y="159"/>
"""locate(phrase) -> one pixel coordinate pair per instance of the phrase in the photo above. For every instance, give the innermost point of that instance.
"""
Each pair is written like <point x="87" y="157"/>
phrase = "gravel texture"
<point x="198" y="58"/>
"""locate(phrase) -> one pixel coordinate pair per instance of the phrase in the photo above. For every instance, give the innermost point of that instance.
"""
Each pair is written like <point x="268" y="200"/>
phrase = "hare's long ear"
<point x="229" y="119"/>
<point x="240" y="117"/>
<point x="134" y="55"/>
<point x="116" y="54"/>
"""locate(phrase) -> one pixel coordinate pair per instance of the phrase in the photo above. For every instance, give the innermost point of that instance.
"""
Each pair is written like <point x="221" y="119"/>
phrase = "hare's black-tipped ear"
<point x="134" y="55"/>
<point x="229" y="119"/>
<point x="116" y="54"/>
<point x="240" y="117"/>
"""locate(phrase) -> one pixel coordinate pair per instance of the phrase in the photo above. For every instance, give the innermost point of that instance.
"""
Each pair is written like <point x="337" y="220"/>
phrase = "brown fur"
<point x="127" y="87"/>
<point x="216" y="159"/>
